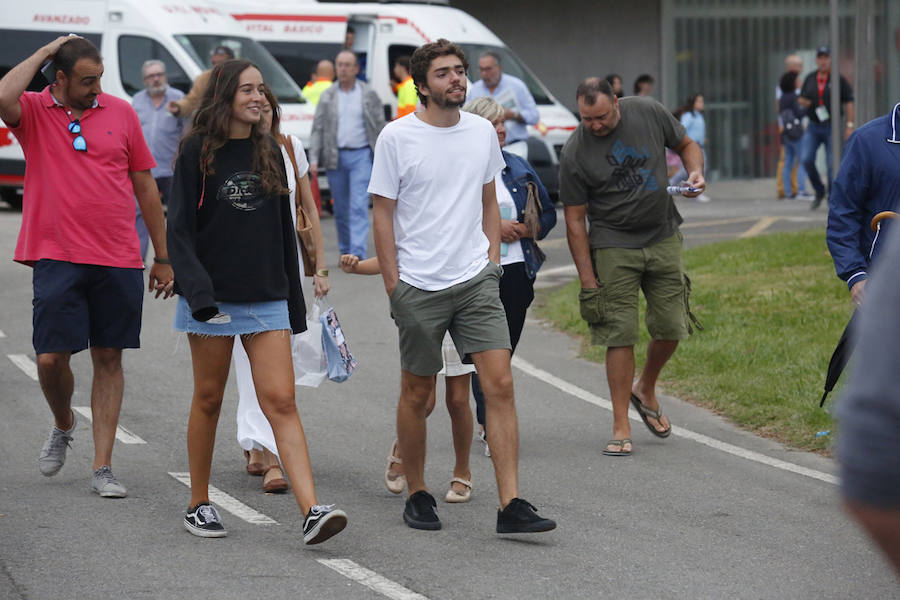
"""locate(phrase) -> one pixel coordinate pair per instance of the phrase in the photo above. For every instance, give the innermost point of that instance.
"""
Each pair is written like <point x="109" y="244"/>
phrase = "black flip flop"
<point x="649" y="412"/>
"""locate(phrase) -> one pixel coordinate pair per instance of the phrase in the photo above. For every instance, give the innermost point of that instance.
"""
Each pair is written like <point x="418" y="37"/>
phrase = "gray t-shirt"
<point x="622" y="176"/>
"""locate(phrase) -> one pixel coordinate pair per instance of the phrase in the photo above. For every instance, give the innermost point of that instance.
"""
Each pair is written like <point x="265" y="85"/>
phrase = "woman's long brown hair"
<point x="213" y="125"/>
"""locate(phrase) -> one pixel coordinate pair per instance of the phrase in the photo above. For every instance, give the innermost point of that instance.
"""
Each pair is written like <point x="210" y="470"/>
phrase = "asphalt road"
<point x="711" y="512"/>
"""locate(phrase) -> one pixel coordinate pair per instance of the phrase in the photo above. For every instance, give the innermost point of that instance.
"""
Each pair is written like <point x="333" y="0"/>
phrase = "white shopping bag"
<point x="310" y="365"/>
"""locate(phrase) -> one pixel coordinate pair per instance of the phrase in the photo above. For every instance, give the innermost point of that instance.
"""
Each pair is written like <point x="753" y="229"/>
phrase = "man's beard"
<point x="157" y="90"/>
<point x="444" y="101"/>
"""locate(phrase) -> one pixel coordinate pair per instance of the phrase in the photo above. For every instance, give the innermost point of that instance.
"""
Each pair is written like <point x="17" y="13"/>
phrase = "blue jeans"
<point x="349" y="189"/>
<point x="793" y="152"/>
<point x="815" y="135"/>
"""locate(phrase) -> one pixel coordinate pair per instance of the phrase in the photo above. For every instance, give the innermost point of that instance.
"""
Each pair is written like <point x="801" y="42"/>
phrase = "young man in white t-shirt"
<point x="437" y="235"/>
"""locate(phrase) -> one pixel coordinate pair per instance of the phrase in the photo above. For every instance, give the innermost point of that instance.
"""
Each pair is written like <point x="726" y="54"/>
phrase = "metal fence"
<point x="732" y="52"/>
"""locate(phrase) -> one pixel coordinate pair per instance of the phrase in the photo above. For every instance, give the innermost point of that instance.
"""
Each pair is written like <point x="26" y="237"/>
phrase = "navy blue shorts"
<point x="81" y="306"/>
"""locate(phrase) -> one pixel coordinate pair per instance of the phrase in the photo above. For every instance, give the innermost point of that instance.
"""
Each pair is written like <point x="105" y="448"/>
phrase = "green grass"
<point x="772" y="311"/>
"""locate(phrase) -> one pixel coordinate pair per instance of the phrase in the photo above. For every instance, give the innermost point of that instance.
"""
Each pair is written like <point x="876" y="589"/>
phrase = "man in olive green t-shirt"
<point x="613" y="174"/>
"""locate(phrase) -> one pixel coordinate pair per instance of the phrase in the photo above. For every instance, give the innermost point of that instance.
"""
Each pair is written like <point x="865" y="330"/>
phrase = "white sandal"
<point x="394" y="483"/>
<point x="454" y="497"/>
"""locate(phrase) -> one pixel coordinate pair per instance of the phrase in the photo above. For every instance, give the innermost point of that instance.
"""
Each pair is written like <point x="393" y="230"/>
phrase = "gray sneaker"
<point x="106" y="484"/>
<point x="53" y="452"/>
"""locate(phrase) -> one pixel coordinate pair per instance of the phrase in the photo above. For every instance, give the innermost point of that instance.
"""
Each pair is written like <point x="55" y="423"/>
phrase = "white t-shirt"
<point x="509" y="253"/>
<point x="436" y="175"/>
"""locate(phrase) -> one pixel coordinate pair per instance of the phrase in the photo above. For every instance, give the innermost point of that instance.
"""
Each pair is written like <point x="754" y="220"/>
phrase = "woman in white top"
<point x="253" y="430"/>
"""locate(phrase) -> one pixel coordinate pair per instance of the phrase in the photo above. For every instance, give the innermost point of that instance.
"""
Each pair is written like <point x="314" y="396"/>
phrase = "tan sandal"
<point x="455" y="497"/>
<point x="276" y="484"/>
<point x="254" y="468"/>
<point x="394" y="482"/>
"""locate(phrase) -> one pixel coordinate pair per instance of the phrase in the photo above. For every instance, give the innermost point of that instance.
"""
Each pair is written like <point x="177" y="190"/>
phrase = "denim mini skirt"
<point x="235" y="318"/>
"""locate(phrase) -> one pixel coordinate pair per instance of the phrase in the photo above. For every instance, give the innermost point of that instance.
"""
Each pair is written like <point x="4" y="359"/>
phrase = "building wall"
<point x="565" y="41"/>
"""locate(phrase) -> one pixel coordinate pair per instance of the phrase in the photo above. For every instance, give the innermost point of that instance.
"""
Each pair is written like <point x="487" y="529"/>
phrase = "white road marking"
<point x="573" y="390"/>
<point x="229" y="503"/>
<point x="564" y="270"/>
<point x="2" y="335"/>
<point x="26" y="364"/>
<point x="370" y="579"/>
<point x="122" y="434"/>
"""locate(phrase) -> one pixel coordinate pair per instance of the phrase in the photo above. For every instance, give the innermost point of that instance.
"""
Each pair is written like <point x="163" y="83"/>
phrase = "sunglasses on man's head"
<point x="79" y="142"/>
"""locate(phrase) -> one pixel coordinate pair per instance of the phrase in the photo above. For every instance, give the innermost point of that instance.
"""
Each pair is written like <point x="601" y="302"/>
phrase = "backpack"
<point x="793" y="128"/>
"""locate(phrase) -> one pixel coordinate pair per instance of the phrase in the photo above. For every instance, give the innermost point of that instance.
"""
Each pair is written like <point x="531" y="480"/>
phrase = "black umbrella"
<point x="844" y="347"/>
<point x="839" y="358"/>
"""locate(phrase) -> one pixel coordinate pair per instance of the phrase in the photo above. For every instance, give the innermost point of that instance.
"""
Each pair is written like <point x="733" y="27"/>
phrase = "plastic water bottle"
<point x="677" y="190"/>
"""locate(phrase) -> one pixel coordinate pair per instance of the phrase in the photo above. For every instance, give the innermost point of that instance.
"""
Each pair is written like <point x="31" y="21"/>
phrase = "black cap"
<point x="823" y="50"/>
<point x="224" y="50"/>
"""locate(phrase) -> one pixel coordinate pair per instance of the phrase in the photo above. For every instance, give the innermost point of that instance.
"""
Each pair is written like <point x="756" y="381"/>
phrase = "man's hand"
<point x="696" y="181"/>
<point x="848" y="131"/>
<point x="511" y="115"/>
<point x="53" y="47"/>
<point x="162" y="280"/>
<point x="509" y="231"/>
<point x="390" y="283"/>
<point x="856" y="292"/>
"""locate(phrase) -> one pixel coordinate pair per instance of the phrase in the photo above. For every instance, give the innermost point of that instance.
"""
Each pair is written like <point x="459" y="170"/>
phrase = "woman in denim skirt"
<point x="229" y="186"/>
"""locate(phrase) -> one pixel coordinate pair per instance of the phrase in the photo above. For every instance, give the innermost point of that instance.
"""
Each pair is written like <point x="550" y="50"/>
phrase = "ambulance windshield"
<point x="510" y="64"/>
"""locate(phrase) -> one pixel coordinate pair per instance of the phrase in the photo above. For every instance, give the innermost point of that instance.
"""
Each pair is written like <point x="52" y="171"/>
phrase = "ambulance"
<point x="128" y="32"/>
<point x="299" y="33"/>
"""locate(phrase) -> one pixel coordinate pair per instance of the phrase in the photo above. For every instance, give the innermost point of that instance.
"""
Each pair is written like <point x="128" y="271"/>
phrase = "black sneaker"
<point x="419" y="512"/>
<point x="521" y="517"/>
<point x="203" y="520"/>
<point x="322" y="522"/>
<point x="817" y="201"/>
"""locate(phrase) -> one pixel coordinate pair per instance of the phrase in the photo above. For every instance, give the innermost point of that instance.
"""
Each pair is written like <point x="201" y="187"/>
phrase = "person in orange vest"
<point x="406" y="90"/>
<point x="322" y="80"/>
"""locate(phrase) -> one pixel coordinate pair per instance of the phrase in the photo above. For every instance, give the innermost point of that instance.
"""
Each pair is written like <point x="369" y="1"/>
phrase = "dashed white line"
<point x="371" y="579"/>
<point x="122" y="434"/>
<point x="25" y="364"/>
<point x="229" y="503"/>
<point x="573" y="390"/>
<point x="2" y="335"/>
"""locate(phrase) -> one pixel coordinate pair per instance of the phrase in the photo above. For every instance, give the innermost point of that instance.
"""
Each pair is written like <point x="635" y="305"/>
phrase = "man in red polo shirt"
<point x="85" y="162"/>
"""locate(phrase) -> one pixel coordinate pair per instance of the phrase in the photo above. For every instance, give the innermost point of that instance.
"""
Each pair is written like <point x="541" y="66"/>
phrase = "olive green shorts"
<point x="611" y="310"/>
<point x="470" y="310"/>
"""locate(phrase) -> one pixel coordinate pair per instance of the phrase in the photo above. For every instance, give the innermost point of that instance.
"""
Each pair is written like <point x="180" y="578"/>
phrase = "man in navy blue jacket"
<point x="867" y="183"/>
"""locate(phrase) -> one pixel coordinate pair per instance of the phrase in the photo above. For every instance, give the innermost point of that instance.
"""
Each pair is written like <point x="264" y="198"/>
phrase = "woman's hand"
<point x="509" y="231"/>
<point x="321" y="285"/>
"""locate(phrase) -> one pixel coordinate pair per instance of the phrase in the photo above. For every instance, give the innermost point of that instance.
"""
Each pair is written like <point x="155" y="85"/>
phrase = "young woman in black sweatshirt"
<point x="231" y="242"/>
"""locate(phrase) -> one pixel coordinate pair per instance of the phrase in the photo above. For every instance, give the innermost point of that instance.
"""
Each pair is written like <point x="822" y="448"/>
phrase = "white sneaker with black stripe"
<point x="203" y="520"/>
<point x="322" y="522"/>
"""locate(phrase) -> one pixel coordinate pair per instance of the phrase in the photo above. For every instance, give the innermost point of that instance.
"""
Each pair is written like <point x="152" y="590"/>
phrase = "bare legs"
<point x="273" y="377"/>
<point x="620" y="376"/>
<point x="457" y="399"/>
<point x="57" y="383"/>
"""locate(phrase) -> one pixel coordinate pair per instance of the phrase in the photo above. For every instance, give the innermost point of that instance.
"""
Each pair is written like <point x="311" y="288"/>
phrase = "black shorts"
<point x="81" y="306"/>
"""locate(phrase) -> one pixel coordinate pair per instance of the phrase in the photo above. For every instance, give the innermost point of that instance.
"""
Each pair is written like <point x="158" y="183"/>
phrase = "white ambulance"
<point x="128" y="32"/>
<point x="300" y="33"/>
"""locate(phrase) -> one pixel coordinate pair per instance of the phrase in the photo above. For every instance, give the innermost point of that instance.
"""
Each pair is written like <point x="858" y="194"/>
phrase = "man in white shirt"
<point x="437" y="236"/>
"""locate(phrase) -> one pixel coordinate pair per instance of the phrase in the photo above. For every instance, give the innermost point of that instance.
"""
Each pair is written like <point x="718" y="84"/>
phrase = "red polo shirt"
<point x="79" y="207"/>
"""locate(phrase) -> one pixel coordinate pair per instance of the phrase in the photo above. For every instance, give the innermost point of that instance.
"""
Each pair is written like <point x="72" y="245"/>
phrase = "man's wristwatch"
<point x="161" y="261"/>
<point x="322" y="273"/>
<point x="850" y="124"/>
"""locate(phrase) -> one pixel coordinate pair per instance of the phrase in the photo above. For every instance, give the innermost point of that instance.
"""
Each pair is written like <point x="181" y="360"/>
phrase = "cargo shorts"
<point x="471" y="311"/>
<point x="611" y="309"/>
